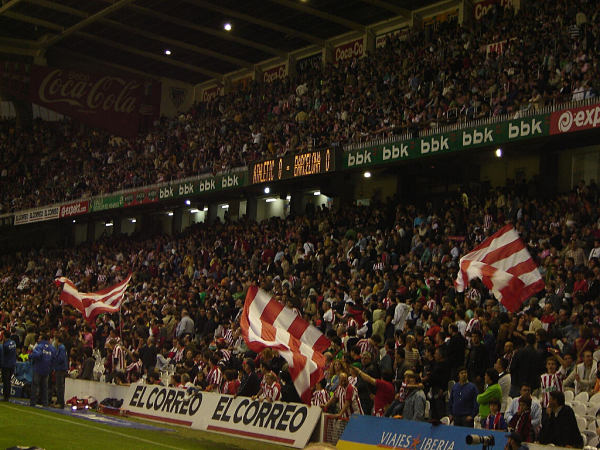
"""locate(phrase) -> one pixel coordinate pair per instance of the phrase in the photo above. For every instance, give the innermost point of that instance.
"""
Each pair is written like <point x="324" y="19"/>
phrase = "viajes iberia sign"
<point x="437" y="144"/>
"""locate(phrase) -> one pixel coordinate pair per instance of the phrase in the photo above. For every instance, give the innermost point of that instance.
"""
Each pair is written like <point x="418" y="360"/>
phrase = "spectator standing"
<point x="462" y="405"/>
<point x="43" y="359"/>
<point x="8" y="362"/>
<point x="185" y="326"/>
<point x="493" y="391"/>
<point x="526" y="366"/>
<point x="61" y="366"/>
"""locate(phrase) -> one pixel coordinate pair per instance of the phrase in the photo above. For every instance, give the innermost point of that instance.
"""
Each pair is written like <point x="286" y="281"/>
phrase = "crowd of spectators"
<point x="428" y="78"/>
<point x="378" y="281"/>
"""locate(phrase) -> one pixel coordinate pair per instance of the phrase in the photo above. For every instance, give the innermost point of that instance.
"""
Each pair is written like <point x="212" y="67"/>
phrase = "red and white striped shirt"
<point x="319" y="398"/>
<point x="550" y="383"/>
<point x="228" y="336"/>
<point x="214" y="378"/>
<point x="118" y="358"/>
<point x="272" y="392"/>
<point x="348" y="394"/>
<point x="365" y="346"/>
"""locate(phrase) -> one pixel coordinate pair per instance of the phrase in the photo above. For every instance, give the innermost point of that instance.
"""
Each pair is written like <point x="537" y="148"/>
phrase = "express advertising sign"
<point x="575" y="119"/>
<point x="350" y="50"/>
<point x="288" y="424"/>
<point x="275" y="73"/>
<point x="74" y="209"/>
<point x="117" y="104"/>
<point x="514" y="130"/>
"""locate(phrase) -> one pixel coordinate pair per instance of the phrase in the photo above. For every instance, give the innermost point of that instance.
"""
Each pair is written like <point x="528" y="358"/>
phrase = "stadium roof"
<point x="133" y="35"/>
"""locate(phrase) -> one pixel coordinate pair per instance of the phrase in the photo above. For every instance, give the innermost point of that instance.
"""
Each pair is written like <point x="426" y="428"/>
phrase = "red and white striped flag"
<point x="266" y="323"/>
<point x="91" y="304"/>
<point x="505" y="266"/>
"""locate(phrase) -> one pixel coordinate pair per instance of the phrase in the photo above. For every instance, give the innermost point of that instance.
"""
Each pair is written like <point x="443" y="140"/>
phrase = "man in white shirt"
<point x="501" y="366"/>
<point x="400" y="314"/>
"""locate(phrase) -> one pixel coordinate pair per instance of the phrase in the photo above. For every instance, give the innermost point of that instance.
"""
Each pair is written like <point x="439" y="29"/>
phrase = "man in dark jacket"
<point x="43" y="359"/>
<point x="526" y="367"/>
<point x="149" y="356"/>
<point x="61" y="366"/>
<point x="561" y="429"/>
<point x="8" y="361"/>
<point x="438" y="381"/>
<point x="477" y="360"/>
<point x="250" y="384"/>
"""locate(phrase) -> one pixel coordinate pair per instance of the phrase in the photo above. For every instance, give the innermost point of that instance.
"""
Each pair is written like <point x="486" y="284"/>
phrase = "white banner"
<point x="288" y="424"/>
<point x="38" y="215"/>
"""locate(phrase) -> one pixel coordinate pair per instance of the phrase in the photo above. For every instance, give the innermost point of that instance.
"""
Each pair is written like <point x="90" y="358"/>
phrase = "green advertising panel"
<point x="108" y="202"/>
<point x="492" y="134"/>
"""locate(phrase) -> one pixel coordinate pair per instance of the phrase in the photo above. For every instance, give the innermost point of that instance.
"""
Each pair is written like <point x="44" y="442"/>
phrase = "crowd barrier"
<point x="100" y="391"/>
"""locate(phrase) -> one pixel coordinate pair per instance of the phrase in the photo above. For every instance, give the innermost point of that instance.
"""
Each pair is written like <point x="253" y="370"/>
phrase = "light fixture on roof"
<point x="227" y="26"/>
<point x="367" y="174"/>
<point x="317" y="193"/>
<point x="205" y="209"/>
<point x="499" y="153"/>
<point x="170" y="213"/>
<point x="267" y="190"/>
<point x="270" y="200"/>
<point x="225" y="206"/>
<point x="133" y="220"/>
<point x="108" y="224"/>
<point x="167" y="52"/>
<point x="194" y="211"/>
<point x="188" y="202"/>
<point x="74" y="221"/>
<point x="288" y="197"/>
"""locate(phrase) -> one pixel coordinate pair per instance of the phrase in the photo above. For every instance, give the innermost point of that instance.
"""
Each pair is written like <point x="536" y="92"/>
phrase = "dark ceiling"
<point x="134" y="34"/>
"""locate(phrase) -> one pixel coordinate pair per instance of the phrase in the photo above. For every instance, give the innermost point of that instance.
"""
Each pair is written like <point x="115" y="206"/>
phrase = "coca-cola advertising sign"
<point x="74" y="209"/>
<point x="482" y="8"/>
<point x="119" y="105"/>
<point x="575" y="119"/>
<point x="275" y="73"/>
<point x="211" y="93"/>
<point x="350" y="50"/>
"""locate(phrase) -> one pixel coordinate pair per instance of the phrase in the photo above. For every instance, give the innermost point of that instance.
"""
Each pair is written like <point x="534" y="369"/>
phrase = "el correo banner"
<point x="288" y="424"/>
<point x="108" y="202"/>
<point x="140" y="197"/>
<point x="497" y="133"/>
<point x="37" y="215"/>
<point x="75" y="209"/>
<point x="575" y="119"/>
<point x="117" y="104"/>
<point x="350" y="50"/>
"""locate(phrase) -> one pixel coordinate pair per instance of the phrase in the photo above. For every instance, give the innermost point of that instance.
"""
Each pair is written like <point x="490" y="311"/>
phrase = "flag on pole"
<point x="266" y="323"/>
<point x="505" y="266"/>
<point x="91" y="304"/>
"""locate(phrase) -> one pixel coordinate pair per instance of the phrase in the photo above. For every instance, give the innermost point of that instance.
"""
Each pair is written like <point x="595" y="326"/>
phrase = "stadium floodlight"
<point x="227" y="26"/>
<point x="194" y="211"/>
<point x="170" y="213"/>
<point x="188" y="202"/>
<point x="267" y="190"/>
<point x="225" y="206"/>
<point x="499" y="153"/>
<point x="108" y="224"/>
<point x="167" y="52"/>
<point x="317" y="193"/>
<point x="205" y="209"/>
<point x="270" y="200"/>
<point x="288" y="198"/>
<point x="367" y="174"/>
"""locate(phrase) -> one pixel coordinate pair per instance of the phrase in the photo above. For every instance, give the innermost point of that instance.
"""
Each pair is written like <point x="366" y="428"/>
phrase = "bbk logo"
<point x="207" y="185"/>
<point x="166" y="192"/>
<point x="359" y="159"/>
<point x="230" y="181"/>
<point x="186" y="189"/>
<point x="524" y="128"/>
<point x="477" y="137"/>
<point x="434" y="145"/>
<point x="395" y="152"/>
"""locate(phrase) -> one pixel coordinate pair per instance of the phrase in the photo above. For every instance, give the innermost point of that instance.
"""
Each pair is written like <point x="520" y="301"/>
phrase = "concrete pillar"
<point x="117" y="227"/>
<point x="211" y="215"/>
<point x="91" y="231"/>
<point x="177" y="221"/>
<point x="234" y="210"/>
<point x="252" y="208"/>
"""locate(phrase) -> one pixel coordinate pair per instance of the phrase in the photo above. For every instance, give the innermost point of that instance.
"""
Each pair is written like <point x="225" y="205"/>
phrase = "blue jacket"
<point x="463" y="400"/>
<point x="8" y="355"/>
<point x="43" y="358"/>
<point x="61" y="362"/>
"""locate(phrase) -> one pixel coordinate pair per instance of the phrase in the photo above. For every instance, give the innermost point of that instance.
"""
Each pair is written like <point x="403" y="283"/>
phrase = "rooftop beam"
<point x="149" y="55"/>
<point x="210" y="31"/>
<point x="322" y="15"/>
<point x="389" y="7"/>
<point x="33" y="21"/>
<point x="86" y="22"/>
<point x="255" y="20"/>
<point x="5" y="7"/>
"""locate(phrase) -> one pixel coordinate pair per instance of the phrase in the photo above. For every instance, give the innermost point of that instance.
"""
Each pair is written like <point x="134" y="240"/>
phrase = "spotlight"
<point x="367" y="174"/>
<point x="227" y="26"/>
<point x="187" y="202"/>
<point x="167" y="52"/>
<point x="499" y="153"/>
<point x="267" y="190"/>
